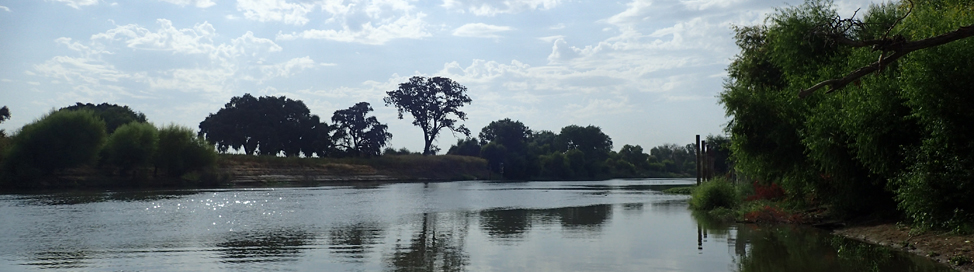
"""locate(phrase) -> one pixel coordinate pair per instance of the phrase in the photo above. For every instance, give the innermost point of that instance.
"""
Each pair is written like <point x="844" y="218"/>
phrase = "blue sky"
<point x="647" y="72"/>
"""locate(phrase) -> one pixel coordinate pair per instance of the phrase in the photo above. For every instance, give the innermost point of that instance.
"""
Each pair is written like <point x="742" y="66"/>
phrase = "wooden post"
<point x="698" y="160"/>
<point x="703" y="160"/>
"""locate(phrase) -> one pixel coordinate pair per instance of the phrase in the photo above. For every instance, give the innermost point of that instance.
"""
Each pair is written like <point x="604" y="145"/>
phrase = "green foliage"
<point x="59" y="140"/>
<point x="132" y="145"/>
<point x="713" y="194"/>
<point x="899" y="135"/>
<point x="465" y="147"/>
<point x="267" y="125"/>
<point x="434" y="104"/>
<point x="358" y="134"/>
<point x="114" y="115"/>
<point x="680" y="190"/>
<point x="181" y="151"/>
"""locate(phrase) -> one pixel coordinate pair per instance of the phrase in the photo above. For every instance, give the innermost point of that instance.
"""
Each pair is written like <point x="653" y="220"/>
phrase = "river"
<point x="614" y="225"/>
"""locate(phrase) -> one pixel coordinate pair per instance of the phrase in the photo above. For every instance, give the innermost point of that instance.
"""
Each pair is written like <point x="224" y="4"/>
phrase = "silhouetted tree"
<point x="465" y="147"/>
<point x="114" y="115"/>
<point x="434" y="104"/>
<point x="4" y="115"/>
<point x="358" y="134"/>
<point x="268" y="126"/>
<point x="59" y="140"/>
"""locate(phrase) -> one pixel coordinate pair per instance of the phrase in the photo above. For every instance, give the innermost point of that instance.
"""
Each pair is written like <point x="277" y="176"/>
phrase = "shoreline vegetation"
<point x="726" y="201"/>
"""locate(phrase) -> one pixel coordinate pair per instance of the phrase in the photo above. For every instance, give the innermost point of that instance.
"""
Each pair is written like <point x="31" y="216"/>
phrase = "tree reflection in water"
<point x="263" y="246"/>
<point x="354" y="242"/>
<point x="433" y="248"/>
<point x="766" y="248"/>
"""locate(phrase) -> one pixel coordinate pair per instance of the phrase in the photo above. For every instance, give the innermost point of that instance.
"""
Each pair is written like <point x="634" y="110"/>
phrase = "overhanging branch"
<point x="899" y="48"/>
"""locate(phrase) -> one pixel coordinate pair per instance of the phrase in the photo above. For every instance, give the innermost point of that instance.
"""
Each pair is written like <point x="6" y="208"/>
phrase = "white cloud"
<point x="78" y="3"/>
<point x="480" y="30"/>
<point x="196" y="40"/>
<point x="286" y="69"/>
<point x="491" y="8"/>
<point x="405" y="27"/>
<point x="197" y="3"/>
<point x="275" y="11"/>
<point x="5" y="8"/>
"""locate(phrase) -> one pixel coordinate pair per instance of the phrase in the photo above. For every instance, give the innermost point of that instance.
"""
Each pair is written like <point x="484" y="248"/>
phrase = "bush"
<point x="180" y="151"/>
<point x="59" y="140"/>
<point x="132" y="145"/>
<point x="714" y="194"/>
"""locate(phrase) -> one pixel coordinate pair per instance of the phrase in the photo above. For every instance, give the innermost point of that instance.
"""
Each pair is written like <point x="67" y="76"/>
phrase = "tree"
<point x="465" y="147"/>
<point x="4" y="115"/>
<point x="132" y="145"/>
<point x="268" y="126"/>
<point x="589" y="140"/>
<point x="635" y="156"/>
<point x="900" y="138"/>
<point x="181" y="152"/>
<point x="114" y="115"/>
<point x="513" y="137"/>
<point x="434" y="104"/>
<point x="358" y="134"/>
<point x="58" y="140"/>
<point x="511" y="134"/>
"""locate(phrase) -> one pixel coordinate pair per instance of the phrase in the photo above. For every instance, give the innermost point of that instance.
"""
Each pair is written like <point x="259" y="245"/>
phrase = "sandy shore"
<point x="940" y="247"/>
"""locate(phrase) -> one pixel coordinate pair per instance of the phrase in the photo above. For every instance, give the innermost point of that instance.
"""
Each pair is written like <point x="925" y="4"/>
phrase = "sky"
<point x="647" y="72"/>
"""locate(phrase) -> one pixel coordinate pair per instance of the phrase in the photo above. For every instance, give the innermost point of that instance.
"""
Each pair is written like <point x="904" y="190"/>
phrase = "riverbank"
<point x="261" y="171"/>
<point x="242" y="170"/>
<point x="957" y="251"/>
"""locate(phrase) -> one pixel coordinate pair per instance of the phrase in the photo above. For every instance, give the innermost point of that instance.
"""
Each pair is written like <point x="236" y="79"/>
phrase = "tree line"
<point x="115" y="139"/>
<point x="576" y="152"/>
<point x="891" y="135"/>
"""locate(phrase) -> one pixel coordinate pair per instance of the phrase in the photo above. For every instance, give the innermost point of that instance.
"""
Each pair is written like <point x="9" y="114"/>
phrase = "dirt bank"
<point x="941" y="247"/>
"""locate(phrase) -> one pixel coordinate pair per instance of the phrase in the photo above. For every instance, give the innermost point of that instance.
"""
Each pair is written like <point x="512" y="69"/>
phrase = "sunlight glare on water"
<point x="615" y="225"/>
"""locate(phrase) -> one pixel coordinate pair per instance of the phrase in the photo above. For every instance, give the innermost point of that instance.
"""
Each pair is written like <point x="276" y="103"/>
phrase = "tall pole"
<point x="698" y="159"/>
<point x="703" y="160"/>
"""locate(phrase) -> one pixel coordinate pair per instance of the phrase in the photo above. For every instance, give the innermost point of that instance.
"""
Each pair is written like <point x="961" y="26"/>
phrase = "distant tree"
<point x="635" y="156"/>
<point x="268" y="126"/>
<point x="434" y="104"/>
<point x="590" y="140"/>
<point x="358" y="134"/>
<point x="4" y="115"/>
<point x="465" y="147"/>
<point x="114" y="115"/>
<point x="512" y="134"/>
<point x="59" y="140"/>
<point x="132" y="145"/>
<point x="180" y="151"/>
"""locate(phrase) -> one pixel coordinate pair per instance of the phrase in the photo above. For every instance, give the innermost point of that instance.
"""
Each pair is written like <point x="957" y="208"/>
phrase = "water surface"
<point x="615" y="225"/>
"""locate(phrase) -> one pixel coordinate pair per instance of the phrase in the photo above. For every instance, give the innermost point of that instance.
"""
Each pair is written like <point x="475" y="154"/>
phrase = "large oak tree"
<point x="434" y="104"/>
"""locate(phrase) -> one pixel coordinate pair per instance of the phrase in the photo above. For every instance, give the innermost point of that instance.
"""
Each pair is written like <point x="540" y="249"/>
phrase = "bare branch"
<point x="899" y="46"/>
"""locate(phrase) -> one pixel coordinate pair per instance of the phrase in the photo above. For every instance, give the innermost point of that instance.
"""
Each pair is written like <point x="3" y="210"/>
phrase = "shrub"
<point x="180" y="151"/>
<point x="713" y="194"/>
<point x="132" y="145"/>
<point x="59" y="140"/>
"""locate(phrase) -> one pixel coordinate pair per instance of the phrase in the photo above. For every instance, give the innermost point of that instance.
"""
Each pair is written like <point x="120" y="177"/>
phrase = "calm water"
<point x="615" y="225"/>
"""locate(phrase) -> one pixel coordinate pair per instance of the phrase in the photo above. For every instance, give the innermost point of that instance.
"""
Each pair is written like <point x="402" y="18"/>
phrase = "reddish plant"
<point x="769" y="192"/>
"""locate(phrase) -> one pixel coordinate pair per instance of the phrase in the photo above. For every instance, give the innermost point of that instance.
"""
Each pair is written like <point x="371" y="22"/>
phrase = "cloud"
<point x="405" y="27"/>
<point x="197" y="3"/>
<point x="275" y="11"/>
<point x="195" y="40"/>
<point x="288" y="68"/>
<point x="492" y="8"/>
<point x="480" y="30"/>
<point x="78" y="3"/>
<point x="5" y="8"/>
